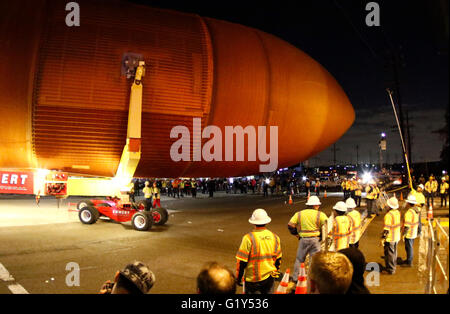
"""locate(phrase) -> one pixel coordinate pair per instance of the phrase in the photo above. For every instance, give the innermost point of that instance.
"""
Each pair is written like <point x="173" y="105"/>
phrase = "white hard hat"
<point x="393" y="202"/>
<point x="313" y="201"/>
<point x="259" y="217"/>
<point x="350" y="202"/>
<point x="421" y="186"/>
<point x="411" y="199"/>
<point x="340" y="206"/>
<point x="147" y="183"/>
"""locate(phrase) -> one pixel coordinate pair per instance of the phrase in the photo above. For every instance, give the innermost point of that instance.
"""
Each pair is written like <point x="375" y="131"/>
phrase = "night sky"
<point x="335" y="34"/>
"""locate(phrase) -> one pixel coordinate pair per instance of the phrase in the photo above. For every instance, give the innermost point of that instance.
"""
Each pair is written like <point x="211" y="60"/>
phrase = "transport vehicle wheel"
<point x="142" y="221"/>
<point x="88" y="215"/>
<point x="83" y="204"/>
<point x="160" y="216"/>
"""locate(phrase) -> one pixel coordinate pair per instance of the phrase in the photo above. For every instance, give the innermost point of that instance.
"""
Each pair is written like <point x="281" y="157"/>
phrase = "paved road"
<point x="198" y="230"/>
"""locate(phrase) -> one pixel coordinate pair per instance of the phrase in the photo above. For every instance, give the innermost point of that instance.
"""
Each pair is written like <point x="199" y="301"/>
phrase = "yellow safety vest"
<point x="348" y="185"/>
<point x="155" y="192"/>
<point x="392" y="223"/>
<point x="444" y="188"/>
<point x="342" y="228"/>
<point x="431" y="186"/>
<point x="355" y="218"/>
<point x="412" y="222"/>
<point x="358" y="191"/>
<point x="308" y="222"/>
<point x="260" y="249"/>
<point x="147" y="192"/>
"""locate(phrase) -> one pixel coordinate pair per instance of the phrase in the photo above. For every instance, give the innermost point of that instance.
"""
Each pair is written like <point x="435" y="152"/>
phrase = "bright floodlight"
<point x="304" y="178"/>
<point x="383" y="134"/>
<point x="267" y="180"/>
<point x="367" y="176"/>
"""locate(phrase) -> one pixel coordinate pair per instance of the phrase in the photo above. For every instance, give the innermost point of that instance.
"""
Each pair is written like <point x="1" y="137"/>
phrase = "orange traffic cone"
<point x="325" y="194"/>
<point x="301" y="282"/>
<point x="290" y="200"/>
<point x="282" y="287"/>
<point x="401" y="196"/>
<point x="243" y="286"/>
<point x="430" y="212"/>
<point x="309" y="194"/>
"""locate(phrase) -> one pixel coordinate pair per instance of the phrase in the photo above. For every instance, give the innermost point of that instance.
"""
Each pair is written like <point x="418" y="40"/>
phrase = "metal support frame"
<point x="131" y="153"/>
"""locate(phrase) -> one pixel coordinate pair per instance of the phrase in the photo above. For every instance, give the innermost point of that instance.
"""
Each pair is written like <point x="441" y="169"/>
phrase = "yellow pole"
<point x="401" y="138"/>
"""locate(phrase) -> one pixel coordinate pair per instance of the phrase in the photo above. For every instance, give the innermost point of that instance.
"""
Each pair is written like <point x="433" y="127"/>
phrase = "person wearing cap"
<point x="156" y="195"/>
<point x="420" y="199"/>
<point x="391" y="235"/>
<point x="342" y="227"/>
<point x="306" y="225"/>
<point x="371" y="195"/>
<point x="258" y="256"/>
<point x="148" y="195"/>
<point x="344" y="188"/>
<point x="135" y="278"/>
<point x="443" y="191"/>
<point x="430" y="190"/>
<point x="410" y="228"/>
<point x="355" y="218"/>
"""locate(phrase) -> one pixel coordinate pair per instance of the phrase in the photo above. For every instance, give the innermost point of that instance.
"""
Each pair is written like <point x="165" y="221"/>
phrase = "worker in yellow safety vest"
<point x="410" y="228"/>
<point x="348" y="186"/>
<point x="342" y="227"/>
<point x="353" y="186"/>
<point x="430" y="190"/>
<point x="355" y="218"/>
<point x="371" y="195"/>
<point x="148" y="195"/>
<point x="306" y="225"/>
<point x="344" y="188"/>
<point x="391" y="235"/>
<point x="358" y="193"/>
<point x="443" y="191"/>
<point x="156" y="194"/>
<point x="259" y="256"/>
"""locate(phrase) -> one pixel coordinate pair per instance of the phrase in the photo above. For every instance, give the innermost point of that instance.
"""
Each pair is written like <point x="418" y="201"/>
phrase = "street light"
<point x="382" y="145"/>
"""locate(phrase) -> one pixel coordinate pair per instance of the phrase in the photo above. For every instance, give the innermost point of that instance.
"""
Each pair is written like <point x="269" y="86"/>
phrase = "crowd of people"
<point x="337" y="269"/>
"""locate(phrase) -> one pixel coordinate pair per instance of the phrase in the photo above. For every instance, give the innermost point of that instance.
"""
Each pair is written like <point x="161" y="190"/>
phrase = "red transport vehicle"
<point x="113" y="208"/>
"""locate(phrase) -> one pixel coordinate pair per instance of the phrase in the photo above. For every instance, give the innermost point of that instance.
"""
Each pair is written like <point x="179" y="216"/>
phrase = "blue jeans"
<point x="409" y="248"/>
<point x="305" y="246"/>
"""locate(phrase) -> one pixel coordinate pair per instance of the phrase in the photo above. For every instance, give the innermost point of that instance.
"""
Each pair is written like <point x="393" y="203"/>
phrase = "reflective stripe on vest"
<point x="255" y="258"/>
<point x="394" y="228"/>
<point x="413" y="225"/>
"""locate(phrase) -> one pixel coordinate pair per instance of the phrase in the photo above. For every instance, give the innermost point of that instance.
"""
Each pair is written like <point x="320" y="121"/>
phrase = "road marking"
<point x="15" y="288"/>
<point x="4" y="274"/>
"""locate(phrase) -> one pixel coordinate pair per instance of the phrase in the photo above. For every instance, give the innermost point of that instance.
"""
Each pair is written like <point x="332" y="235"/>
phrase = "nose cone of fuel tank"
<point x="261" y="80"/>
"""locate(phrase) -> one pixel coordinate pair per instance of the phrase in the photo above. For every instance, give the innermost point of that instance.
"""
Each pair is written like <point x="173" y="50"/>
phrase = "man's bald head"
<point x="216" y="279"/>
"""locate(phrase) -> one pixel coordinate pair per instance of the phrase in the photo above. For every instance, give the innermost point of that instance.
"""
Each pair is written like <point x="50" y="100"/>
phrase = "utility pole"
<point x="408" y="136"/>
<point x="334" y="155"/>
<point x="357" y="155"/>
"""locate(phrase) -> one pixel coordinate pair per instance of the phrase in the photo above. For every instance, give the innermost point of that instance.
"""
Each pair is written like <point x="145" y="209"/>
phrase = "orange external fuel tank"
<point x="64" y="101"/>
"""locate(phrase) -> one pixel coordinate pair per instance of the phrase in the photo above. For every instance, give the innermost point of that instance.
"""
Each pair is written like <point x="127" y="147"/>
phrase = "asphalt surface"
<point x="198" y="230"/>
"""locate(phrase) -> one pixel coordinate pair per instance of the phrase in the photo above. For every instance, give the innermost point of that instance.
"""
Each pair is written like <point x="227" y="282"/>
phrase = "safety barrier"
<point x="437" y="255"/>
